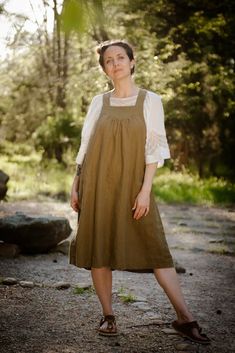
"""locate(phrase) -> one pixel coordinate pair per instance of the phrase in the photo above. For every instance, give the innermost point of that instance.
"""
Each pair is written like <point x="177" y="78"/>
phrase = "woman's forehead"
<point x="114" y="50"/>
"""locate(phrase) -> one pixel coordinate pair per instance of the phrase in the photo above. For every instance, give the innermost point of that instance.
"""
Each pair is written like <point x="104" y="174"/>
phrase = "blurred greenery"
<point x="184" y="52"/>
<point x="33" y="177"/>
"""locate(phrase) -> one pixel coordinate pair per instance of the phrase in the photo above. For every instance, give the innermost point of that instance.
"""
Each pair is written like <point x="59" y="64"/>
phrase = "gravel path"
<point x="44" y="319"/>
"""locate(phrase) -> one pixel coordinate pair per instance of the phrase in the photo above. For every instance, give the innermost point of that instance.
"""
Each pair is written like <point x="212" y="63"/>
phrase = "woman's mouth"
<point x="117" y="70"/>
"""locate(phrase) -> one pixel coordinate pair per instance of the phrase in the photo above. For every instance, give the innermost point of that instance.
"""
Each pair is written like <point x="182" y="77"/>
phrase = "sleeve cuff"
<point x="158" y="157"/>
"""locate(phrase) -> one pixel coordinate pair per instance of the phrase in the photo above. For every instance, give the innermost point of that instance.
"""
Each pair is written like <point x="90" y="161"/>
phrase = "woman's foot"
<point x="191" y="330"/>
<point x="108" y="326"/>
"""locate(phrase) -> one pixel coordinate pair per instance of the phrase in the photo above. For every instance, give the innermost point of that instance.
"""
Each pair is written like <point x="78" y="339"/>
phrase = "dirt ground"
<point x="44" y="319"/>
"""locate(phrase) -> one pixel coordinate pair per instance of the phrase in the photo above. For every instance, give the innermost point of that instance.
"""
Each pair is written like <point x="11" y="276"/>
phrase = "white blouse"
<point x="156" y="146"/>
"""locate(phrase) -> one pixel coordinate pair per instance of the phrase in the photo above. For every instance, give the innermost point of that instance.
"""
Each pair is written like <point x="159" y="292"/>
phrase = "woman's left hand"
<point x="141" y="205"/>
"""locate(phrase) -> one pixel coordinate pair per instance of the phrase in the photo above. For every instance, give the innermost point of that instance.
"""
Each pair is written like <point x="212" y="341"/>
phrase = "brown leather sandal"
<point x="111" y="329"/>
<point x="185" y="329"/>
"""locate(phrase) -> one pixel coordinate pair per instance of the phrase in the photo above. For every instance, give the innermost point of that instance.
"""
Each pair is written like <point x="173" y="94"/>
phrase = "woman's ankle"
<point x="108" y="312"/>
<point x="184" y="317"/>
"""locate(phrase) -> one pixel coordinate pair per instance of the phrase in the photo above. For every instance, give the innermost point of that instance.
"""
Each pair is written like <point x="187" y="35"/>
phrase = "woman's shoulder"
<point x="153" y="95"/>
<point x="97" y="97"/>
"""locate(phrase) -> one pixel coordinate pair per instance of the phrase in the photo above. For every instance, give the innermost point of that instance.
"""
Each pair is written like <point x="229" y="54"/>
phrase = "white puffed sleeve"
<point x="156" y="147"/>
<point x="92" y="116"/>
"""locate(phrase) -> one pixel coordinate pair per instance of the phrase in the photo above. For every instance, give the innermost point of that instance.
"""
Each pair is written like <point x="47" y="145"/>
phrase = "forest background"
<point x="184" y="52"/>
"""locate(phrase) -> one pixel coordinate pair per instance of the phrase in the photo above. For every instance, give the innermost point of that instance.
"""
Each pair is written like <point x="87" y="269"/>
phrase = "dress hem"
<point x="127" y="268"/>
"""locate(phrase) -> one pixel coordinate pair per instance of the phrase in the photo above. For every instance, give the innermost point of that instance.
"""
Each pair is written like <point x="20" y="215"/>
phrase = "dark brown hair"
<point x="121" y="43"/>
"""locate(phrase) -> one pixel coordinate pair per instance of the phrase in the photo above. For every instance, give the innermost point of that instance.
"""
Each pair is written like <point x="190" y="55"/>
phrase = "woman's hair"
<point x="121" y="43"/>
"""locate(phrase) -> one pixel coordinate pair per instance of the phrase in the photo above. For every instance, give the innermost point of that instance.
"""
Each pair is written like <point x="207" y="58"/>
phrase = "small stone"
<point x="182" y="224"/>
<point x="140" y="299"/>
<point x="153" y="316"/>
<point x="84" y="285"/>
<point x="216" y="241"/>
<point x="9" y="281"/>
<point x="170" y="331"/>
<point x="115" y="291"/>
<point x="219" y="312"/>
<point x="37" y="284"/>
<point x="26" y="284"/>
<point x="62" y="247"/>
<point x="158" y="322"/>
<point x="142" y="306"/>
<point x="185" y="347"/>
<point x="179" y="268"/>
<point x="62" y="285"/>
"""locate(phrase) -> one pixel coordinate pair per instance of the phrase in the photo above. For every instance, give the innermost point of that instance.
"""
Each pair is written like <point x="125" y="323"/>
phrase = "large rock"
<point x="9" y="250"/>
<point x="3" y="184"/>
<point x="34" y="234"/>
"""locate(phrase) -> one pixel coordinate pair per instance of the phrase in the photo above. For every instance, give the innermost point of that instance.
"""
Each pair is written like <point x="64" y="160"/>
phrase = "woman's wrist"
<point x="146" y="189"/>
<point x="75" y="183"/>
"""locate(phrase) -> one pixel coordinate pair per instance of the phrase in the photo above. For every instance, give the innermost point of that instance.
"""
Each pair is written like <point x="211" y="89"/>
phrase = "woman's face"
<point x="117" y="64"/>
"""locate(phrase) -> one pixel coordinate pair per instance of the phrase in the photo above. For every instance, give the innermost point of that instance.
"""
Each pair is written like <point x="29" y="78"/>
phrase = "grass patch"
<point x="221" y="250"/>
<point x="81" y="290"/>
<point x="126" y="297"/>
<point x="188" y="188"/>
<point x="32" y="178"/>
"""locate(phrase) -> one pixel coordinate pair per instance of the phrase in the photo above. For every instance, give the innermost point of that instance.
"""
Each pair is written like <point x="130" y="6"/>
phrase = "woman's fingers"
<point x="146" y="211"/>
<point x="140" y="211"/>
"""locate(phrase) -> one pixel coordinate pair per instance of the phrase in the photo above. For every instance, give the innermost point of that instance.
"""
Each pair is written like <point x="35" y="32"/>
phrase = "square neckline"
<point x="124" y="106"/>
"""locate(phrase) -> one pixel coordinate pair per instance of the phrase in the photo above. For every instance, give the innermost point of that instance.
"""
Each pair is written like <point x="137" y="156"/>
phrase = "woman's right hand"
<point x="74" y="202"/>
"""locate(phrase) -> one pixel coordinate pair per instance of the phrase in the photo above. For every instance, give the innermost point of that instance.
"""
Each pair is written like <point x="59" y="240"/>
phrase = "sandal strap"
<point x="110" y="319"/>
<point x="187" y="327"/>
<point x="191" y="324"/>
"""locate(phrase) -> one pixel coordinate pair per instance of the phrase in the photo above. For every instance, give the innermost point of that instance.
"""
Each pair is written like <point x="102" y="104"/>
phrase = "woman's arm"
<point x="142" y="201"/>
<point x="74" y="192"/>
<point x="150" y="170"/>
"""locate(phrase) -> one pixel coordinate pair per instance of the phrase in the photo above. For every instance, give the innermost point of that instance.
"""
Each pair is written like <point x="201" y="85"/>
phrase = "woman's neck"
<point x="124" y="90"/>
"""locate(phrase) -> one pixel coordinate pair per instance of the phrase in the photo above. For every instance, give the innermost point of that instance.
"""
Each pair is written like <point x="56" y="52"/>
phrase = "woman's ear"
<point x="132" y="63"/>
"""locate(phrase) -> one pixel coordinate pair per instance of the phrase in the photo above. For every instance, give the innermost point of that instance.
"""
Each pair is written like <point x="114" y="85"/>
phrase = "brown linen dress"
<point x="111" y="177"/>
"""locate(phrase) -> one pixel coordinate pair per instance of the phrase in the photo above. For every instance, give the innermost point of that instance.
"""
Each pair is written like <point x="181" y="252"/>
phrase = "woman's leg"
<point x="102" y="280"/>
<point x="168" y="280"/>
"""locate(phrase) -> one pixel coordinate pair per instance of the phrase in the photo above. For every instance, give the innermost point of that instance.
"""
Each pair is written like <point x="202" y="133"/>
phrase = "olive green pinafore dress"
<point x="111" y="178"/>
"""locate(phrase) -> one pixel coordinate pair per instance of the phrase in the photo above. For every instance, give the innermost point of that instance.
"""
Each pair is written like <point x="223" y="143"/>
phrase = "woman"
<point x="123" y="142"/>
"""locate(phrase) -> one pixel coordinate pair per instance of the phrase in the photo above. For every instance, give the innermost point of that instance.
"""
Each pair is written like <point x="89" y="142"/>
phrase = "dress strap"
<point x="106" y="99"/>
<point x="139" y="101"/>
<point x="141" y="98"/>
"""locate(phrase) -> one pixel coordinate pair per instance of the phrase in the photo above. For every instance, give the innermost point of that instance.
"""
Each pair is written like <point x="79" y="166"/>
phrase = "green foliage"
<point x="184" y="52"/>
<point x="73" y="16"/>
<point x="78" y="15"/>
<point x="56" y="134"/>
<point x="193" y="47"/>
<point x="184" y="187"/>
<point x="32" y="177"/>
